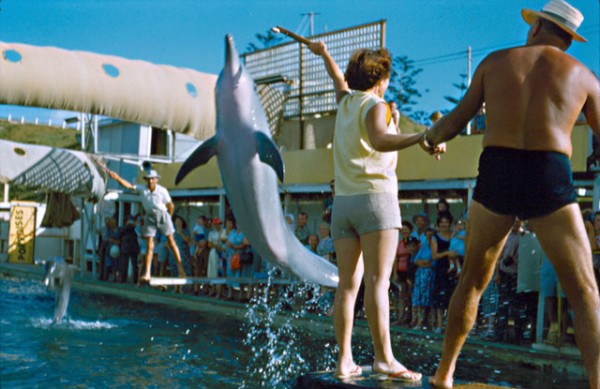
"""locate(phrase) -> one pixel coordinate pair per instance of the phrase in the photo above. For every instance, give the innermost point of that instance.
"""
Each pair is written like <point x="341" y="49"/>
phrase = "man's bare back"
<point x="533" y="96"/>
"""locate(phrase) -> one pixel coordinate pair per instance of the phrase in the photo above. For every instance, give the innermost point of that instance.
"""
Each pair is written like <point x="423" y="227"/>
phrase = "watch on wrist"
<point x="427" y="142"/>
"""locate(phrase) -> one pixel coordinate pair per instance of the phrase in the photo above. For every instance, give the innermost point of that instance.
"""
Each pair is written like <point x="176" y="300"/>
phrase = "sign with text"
<point x="21" y="238"/>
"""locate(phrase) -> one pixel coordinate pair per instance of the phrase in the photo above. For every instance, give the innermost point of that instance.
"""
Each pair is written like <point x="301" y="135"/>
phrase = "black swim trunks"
<point x="525" y="183"/>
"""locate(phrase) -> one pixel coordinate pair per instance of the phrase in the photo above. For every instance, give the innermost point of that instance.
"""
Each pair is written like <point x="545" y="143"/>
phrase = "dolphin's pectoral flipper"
<point x="199" y="157"/>
<point x="269" y="154"/>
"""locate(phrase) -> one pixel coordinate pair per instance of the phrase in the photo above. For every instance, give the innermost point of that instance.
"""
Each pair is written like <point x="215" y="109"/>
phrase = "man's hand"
<point x="432" y="149"/>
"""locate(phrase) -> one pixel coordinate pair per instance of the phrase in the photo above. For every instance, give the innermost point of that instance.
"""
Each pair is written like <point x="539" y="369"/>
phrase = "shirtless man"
<point x="533" y="95"/>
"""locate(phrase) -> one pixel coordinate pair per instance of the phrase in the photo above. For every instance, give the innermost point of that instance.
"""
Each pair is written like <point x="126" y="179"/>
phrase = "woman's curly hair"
<point x="366" y="67"/>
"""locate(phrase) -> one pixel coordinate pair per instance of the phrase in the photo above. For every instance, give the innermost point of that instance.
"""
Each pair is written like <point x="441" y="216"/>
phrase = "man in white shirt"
<point x="158" y="208"/>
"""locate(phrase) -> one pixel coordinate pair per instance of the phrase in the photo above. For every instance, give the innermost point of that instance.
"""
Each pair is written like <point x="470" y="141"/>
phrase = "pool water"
<point x="114" y="342"/>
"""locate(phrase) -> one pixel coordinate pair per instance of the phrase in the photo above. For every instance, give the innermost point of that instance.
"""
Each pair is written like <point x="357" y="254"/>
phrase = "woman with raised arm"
<point x="366" y="214"/>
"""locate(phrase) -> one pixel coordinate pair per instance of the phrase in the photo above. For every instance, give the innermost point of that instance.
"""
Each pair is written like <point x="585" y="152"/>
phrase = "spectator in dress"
<point x="102" y="250"/>
<point x="130" y="250"/>
<point x="236" y="244"/>
<point x="199" y="232"/>
<point x="112" y="252"/>
<point x="215" y="252"/>
<point x="200" y="265"/>
<point x="443" y="283"/>
<point x="182" y="240"/>
<point x="247" y="270"/>
<point x="413" y="249"/>
<point x="400" y="273"/>
<point x="422" y="298"/>
<point x="421" y="222"/>
<point x="223" y="290"/>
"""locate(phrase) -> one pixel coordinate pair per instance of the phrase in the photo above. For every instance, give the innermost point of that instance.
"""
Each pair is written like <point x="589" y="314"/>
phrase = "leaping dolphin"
<point x="250" y="163"/>
<point x="58" y="279"/>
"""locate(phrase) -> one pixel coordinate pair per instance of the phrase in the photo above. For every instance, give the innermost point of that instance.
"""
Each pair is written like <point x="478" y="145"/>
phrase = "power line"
<point x="461" y="55"/>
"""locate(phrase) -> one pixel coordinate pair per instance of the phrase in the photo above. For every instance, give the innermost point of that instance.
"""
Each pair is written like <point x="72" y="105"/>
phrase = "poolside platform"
<point x="368" y="379"/>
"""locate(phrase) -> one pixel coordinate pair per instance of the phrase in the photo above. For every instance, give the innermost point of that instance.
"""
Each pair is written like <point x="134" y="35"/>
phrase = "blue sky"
<point x="190" y="33"/>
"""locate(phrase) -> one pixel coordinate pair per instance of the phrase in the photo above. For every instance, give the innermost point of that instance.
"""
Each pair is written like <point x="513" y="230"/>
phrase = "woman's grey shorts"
<point x="357" y="215"/>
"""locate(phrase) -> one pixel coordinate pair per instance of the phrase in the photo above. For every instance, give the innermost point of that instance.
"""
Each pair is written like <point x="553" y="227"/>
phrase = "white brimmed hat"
<point x="561" y="13"/>
<point x="151" y="174"/>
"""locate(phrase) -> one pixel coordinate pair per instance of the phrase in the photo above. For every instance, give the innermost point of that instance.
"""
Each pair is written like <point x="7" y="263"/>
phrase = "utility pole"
<point x="468" y="81"/>
<point x="311" y="16"/>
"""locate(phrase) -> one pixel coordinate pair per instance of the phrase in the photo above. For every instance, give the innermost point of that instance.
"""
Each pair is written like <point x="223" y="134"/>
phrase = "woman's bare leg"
<point x="350" y="268"/>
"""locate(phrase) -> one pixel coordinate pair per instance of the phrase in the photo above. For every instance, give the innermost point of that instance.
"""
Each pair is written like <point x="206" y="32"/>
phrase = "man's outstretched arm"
<point x="452" y="124"/>
<point x="124" y="183"/>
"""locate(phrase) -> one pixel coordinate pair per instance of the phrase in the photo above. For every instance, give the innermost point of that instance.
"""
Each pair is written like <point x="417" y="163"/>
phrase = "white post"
<point x="6" y="190"/>
<point x="95" y="129"/>
<point x="171" y="145"/>
<point x="469" y="82"/>
<point x="83" y="131"/>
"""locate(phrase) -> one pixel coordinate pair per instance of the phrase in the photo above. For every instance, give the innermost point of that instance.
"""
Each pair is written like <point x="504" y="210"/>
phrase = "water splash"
<point x="276" y="342"/>
<point x="76" y="325"/>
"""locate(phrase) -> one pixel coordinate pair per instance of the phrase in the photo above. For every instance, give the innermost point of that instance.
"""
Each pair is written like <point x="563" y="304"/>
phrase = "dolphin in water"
<point x="250" y="165"/>
<point x="58" y="279"/>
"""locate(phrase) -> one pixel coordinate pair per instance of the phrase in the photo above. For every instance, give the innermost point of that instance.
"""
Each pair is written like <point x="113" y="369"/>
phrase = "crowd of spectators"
<point x="211" y="250"/>
<point x="426" y="270"/>
<point x="428" y="264"/>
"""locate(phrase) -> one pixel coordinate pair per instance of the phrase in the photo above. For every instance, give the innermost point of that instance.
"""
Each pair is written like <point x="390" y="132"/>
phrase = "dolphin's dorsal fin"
<point x="199" y="157"/>
<point x="269" y="154"/>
